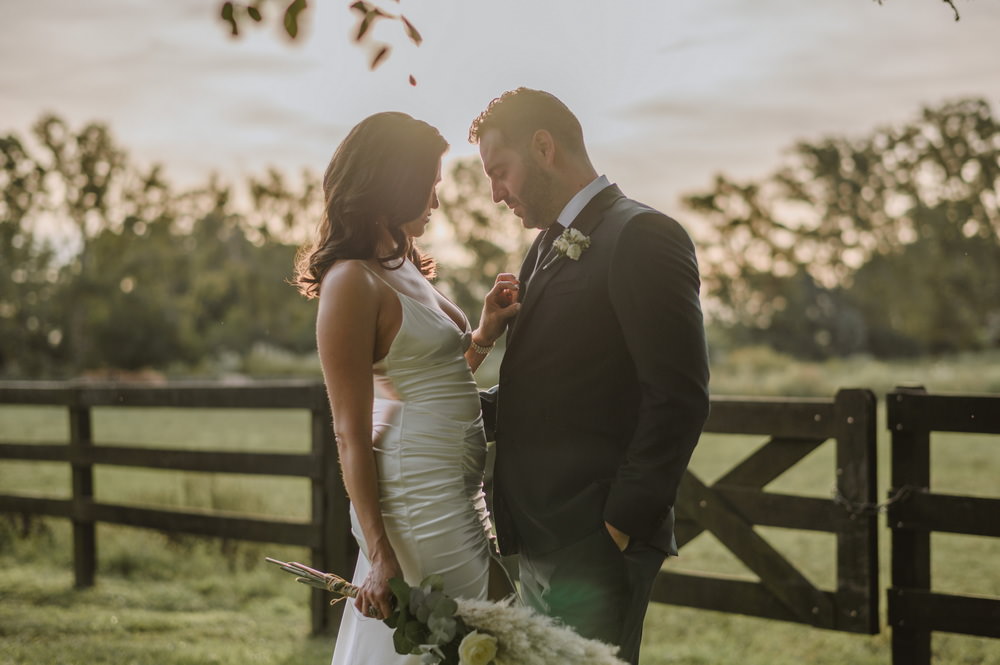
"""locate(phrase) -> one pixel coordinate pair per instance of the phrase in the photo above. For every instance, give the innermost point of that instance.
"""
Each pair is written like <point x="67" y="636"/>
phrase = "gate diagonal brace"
<point x="776" y="574"/>
<point x="756" y="470"/>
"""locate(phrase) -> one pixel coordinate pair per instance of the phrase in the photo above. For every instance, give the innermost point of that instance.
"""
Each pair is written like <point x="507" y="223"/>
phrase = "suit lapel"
<point x="586" y="222"/>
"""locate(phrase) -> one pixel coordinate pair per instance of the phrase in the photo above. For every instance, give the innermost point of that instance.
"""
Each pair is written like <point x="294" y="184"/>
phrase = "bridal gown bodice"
<point x="430" y="447"/>
<point x="430" y="451"/>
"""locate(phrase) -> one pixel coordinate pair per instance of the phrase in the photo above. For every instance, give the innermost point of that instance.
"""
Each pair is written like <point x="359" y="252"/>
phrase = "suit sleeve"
<point x="488" y="404"/>
<point x="654" y="285"/>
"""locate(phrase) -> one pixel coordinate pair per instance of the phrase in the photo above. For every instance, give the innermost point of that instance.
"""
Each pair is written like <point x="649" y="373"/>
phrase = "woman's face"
<point x="416" y="228"/>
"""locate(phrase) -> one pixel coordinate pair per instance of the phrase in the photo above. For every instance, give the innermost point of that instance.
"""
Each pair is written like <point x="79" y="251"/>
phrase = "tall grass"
<point x="170" y="599"/>
<point x="762" y="371"/>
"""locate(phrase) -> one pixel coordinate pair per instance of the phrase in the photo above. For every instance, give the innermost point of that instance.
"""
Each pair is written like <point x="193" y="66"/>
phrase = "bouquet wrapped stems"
<point x="467" y="632"/>
<point x="335" y="584"/>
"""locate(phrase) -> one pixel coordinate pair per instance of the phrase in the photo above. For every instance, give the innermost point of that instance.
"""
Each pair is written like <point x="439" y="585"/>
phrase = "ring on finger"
<point x="373" y="611"/>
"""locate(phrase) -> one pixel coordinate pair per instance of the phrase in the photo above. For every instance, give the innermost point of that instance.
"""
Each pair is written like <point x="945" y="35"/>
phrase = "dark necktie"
<point x="548" y="237"/>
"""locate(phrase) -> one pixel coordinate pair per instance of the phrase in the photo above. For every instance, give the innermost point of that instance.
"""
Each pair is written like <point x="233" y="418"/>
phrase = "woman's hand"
<point x="374" y="598"/>
<point x="500" y="305"/>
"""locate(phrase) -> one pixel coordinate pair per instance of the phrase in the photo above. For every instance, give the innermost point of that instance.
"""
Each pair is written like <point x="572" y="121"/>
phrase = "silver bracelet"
<point x="481" y="350"/>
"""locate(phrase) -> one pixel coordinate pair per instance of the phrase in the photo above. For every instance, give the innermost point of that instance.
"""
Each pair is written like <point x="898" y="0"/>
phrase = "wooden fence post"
<point x="911" y="547"/>
<point x="857" y="548"/>
<point x="84" y="537"/>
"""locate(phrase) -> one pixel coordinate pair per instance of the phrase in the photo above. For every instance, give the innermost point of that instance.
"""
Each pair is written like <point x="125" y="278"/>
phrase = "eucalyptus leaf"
<point x="444" y="607"/>
<point x="401" y="615"/>
<point x="421" y="609"/>
<point x="442" y="629"/>
<point x="416" y="599"/>
<point x="433" y="582"/>
<point x="401" y="643"/>
<point x="401" y="590"/>
<point x="415" y="632"/>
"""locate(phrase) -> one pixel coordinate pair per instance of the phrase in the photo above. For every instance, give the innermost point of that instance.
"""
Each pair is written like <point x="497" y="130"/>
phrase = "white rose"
<point x="574" y="252"/>
<point x="477" y="649"/>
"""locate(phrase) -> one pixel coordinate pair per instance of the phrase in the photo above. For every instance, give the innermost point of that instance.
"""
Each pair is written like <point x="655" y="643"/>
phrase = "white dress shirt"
<point x="580" y="200"/>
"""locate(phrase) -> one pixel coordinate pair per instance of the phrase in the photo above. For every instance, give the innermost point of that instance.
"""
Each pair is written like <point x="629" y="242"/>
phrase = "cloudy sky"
<point x="669" y="92"/>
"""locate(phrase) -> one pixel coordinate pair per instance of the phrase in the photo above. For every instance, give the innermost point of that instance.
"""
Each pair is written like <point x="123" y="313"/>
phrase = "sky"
<point x="669" y="92"/>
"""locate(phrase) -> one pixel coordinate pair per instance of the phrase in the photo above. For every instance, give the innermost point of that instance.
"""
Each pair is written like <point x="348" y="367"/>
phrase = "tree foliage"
<point x="888" y="244"/>
<point x="111" y="267"/>
<point x="105" y="265"/>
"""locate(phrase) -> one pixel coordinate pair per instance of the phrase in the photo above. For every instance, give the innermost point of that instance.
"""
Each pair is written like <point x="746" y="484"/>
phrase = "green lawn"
<point x="175" y="599"/>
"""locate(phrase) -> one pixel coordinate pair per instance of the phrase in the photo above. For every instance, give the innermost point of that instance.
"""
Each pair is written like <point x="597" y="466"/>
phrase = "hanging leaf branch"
<point x="236" y="15"/>
<point x="950" y="3"/>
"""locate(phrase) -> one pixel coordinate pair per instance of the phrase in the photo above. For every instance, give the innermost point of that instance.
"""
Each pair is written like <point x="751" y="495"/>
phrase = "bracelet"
<point x="481" y="350"/>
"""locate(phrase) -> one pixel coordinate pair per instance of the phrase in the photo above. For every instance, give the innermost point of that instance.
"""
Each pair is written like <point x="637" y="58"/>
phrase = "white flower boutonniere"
<point x="570" y="244"/>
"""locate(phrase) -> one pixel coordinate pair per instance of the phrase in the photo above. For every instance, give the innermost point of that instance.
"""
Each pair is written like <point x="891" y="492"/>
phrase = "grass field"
<point x="173" y="600"/>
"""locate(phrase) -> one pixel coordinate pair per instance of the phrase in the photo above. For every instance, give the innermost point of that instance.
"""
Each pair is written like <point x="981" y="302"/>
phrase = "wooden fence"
<point x="915" y="512"/>
<point x="326" y="534"/>
<point x="736" y="502"/>
<point x="729" y="508"/>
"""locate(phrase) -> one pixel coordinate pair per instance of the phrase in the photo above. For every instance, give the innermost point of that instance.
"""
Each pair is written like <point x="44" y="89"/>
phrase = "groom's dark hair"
<point x="518" y="114"/>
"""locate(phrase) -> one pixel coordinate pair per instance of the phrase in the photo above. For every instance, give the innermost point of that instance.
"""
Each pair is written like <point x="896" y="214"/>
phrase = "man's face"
<point x="517" y="180"/>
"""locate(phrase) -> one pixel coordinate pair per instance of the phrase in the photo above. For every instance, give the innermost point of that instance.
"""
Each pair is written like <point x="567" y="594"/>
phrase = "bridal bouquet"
<point x="456" y="631"/>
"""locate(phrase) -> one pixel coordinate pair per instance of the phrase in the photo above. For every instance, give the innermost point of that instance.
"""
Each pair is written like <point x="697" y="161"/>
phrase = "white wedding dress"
<point x="431" y="453"/>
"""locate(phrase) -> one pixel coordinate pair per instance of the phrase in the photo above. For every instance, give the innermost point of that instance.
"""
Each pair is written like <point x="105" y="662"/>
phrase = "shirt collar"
<point x="580" y="200"/>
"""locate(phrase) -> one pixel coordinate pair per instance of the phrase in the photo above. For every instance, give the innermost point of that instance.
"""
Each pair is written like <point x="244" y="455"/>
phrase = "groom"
<point x="603" y="389"/>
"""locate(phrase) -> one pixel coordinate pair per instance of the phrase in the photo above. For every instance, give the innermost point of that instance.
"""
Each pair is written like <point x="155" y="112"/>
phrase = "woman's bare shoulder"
<point x="349" y="277"/>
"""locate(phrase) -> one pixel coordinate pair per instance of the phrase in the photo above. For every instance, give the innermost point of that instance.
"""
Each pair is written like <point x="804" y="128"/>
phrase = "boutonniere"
<point x="571" y="244"/>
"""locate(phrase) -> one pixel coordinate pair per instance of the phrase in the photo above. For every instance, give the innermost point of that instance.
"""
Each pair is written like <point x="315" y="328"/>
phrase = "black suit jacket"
<point x="603" y="388"/>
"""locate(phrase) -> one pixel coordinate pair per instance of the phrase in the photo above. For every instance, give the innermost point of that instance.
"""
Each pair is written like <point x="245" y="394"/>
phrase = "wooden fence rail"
<point x="915" y="612"/>
<point x="326" y="534"/>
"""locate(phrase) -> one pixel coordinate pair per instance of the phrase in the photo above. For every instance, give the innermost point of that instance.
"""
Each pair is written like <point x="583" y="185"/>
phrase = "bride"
<point x="397" y="359"/>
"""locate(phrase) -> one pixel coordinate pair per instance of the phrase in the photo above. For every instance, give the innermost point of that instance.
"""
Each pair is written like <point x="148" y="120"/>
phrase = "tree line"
<point x="887" y="244"/>
<point x="106" y="264"/>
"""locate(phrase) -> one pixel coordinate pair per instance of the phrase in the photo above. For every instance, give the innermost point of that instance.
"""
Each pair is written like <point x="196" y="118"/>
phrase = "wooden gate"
<point x="736" y="502"/>
<point x="914" y="610"/>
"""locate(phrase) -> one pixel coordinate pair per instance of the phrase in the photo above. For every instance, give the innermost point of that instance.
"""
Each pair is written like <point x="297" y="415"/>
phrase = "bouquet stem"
<point x="335" y="584"/>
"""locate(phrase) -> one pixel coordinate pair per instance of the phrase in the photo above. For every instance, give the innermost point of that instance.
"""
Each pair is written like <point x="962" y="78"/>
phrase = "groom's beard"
<point x="540" y="210"/>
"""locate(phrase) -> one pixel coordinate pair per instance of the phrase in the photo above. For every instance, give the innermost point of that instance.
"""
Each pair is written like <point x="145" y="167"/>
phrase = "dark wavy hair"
<point x="382" y="173"/>
<point x="518" y="114"/>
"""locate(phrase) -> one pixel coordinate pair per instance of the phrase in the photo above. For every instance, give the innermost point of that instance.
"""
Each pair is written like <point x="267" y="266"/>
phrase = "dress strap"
<point x="407" y="298"/>
<point x="372" y="271"/>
